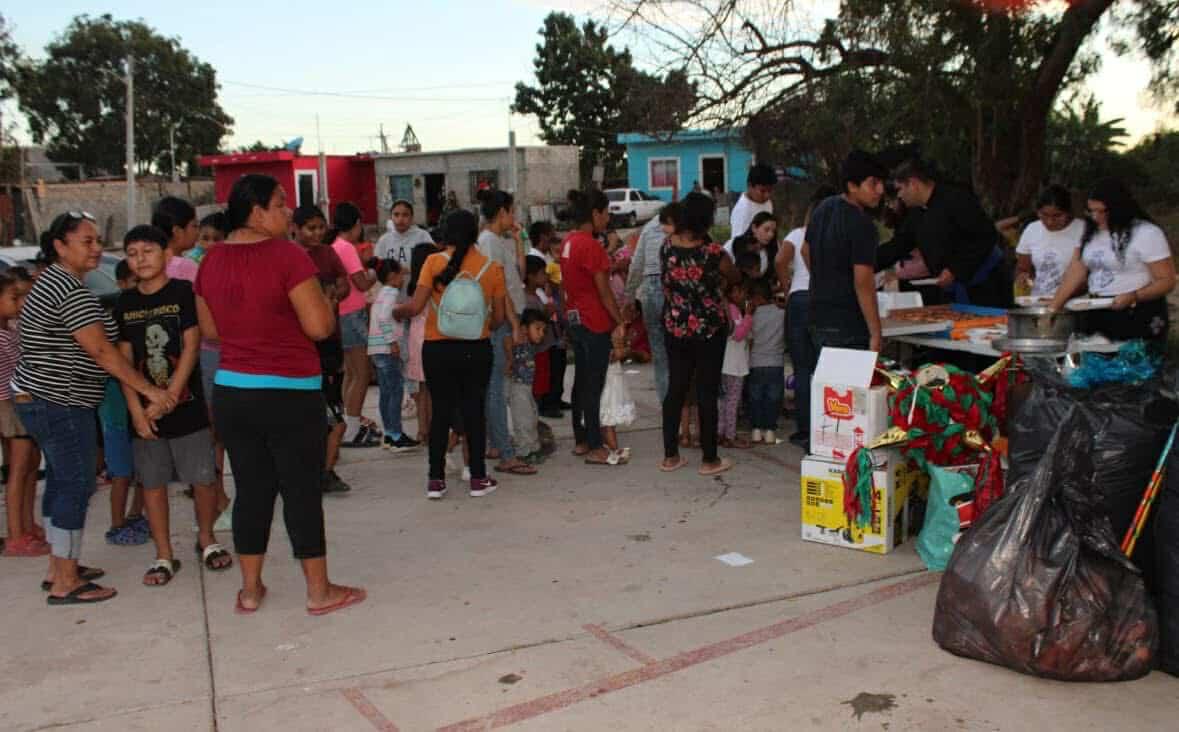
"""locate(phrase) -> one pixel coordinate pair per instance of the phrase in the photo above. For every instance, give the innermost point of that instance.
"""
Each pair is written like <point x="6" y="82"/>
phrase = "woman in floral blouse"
<point x="695" y="271"/>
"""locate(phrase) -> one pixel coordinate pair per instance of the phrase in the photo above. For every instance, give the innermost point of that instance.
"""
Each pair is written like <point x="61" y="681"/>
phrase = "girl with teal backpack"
<point x="463" y="294"/>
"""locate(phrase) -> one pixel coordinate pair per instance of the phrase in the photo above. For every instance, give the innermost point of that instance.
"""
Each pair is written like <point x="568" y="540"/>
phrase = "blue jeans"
<point x="69" y="438"/>
<point x="766" y="386"/>
<point x="653" y="319"/>
<point x="392" y="389"/>
<point x="802" y="355"/>
<point x="497" y="396"/>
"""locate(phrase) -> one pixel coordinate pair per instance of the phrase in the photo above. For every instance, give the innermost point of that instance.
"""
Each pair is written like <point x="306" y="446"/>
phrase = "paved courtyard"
<point x="584" y="598"/>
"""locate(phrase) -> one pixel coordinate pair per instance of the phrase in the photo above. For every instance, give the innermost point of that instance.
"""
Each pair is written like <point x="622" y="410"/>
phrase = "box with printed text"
<point x="846" y="410"/>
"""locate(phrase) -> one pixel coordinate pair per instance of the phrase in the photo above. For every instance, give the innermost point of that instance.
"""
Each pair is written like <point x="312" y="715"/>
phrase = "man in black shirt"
<point x="957" y="238"/>
<point x="840" y="251"/>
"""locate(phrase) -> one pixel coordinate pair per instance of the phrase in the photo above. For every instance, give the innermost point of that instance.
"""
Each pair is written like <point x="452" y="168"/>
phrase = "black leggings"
<point x="276" y="443"/>
<point x="457" y="374"/>
<point x="591" y="356"/>
<point x="703" y="359"/>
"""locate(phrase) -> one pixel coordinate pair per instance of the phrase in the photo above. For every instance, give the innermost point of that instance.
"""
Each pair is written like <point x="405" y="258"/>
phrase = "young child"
<point x="159" y="335"/>
<point x="536" y="295"/>
<point x="127" y="529"/>
<point x="384" y="347"/>
<point x="766" y="361"/>
<point x="618" y="409"/>
<point x="520" y="367"/>
<point x="214" y="228"/>
<point x="25" y="537"/>
<point x="310" y="226"/>
<point x="736" y="366"/>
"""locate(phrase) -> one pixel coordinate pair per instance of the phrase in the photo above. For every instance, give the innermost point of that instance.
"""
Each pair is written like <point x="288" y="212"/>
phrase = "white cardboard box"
<point x="846" y="412"/>
<point x="823" y="518"/>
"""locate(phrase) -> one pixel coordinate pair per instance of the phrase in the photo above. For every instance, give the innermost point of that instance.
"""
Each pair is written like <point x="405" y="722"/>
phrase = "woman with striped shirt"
<point x="67" y="351"/>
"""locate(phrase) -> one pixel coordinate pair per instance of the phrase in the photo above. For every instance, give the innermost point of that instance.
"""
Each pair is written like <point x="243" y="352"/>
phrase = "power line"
<point x="352" y="95"/>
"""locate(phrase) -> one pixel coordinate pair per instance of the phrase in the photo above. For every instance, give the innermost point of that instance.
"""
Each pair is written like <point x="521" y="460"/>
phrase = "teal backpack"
<point x="462" y="312"/>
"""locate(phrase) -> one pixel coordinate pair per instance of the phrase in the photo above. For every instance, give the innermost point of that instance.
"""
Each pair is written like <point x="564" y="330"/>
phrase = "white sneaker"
<point x="756" y="436"/>
<point x="466" y="473"/>
<point x="769" y="438"/>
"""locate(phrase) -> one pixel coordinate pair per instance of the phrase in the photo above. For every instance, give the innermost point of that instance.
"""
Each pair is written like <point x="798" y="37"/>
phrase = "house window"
<point x="664" y="173"/>
<point x="401" y="187"/>
<point x="481" y="180"/>
<point x="305" y="188"/>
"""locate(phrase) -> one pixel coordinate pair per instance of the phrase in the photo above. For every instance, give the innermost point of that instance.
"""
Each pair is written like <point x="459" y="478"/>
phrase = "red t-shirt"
<point x="246" y="287"/>
<point x="581" y="257"/>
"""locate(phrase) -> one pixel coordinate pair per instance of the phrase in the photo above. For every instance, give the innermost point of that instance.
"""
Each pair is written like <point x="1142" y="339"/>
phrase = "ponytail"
<point x="461" y="229"/>
<point x="347" y="216"/>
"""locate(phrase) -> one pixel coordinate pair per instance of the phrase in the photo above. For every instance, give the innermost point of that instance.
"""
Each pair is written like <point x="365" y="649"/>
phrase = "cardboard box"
<point x="823" y="519"/>
<point x="846" y="412"/>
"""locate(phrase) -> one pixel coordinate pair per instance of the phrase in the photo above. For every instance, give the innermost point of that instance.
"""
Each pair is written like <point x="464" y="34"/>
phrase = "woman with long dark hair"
<point x="458" y="367"/>
<point x="1047" y="245"/>
<point x="761" y="238"/>
<point x="593" y="316"/>
<point x="259" y="294"/>
<point x="1124" y="256"/>
<point x="695" y="269"/>
<point x="346" y="232"/>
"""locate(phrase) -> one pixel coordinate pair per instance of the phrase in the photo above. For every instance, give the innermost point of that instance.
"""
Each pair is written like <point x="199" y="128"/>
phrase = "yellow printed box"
<point x="823" y="519"/>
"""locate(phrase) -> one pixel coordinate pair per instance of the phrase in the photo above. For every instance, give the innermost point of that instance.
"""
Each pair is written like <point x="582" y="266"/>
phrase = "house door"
<point x="305" y="184"/>
<point x="435" y="194"/>
<point x="712" y="173"/>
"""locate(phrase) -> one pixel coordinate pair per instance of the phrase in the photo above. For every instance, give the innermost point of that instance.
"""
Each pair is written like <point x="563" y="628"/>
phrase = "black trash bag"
<point x="1166" y="514"/>
<point x="1039" y="584"/>
<point x="1129" y="425"/>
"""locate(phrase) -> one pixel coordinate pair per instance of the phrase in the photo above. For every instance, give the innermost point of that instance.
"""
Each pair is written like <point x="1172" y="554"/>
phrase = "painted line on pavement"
<point x="367" y="710"/>
<point x="567" y="698"/>
<point x="618" y="644"/>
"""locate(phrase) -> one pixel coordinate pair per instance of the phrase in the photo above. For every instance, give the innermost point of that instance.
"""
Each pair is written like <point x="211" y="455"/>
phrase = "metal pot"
<point x="1040" y="322"/>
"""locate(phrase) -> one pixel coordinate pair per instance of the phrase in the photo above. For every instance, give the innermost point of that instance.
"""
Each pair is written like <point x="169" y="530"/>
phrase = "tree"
<point x="987" y="72"/>
<point x="9" y="59"/>
<point x="75" y="99"/>
<point x="1082" y="147"/>
<point x="1154" y="159"/>
<point x="588" y="92"/>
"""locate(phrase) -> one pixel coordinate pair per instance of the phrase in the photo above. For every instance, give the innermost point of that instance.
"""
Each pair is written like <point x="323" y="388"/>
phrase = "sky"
<point x="447" y="67"/>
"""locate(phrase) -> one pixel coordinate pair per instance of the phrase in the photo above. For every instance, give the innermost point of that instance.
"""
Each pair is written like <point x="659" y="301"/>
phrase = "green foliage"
<point x="1082" y="147"/>
<point x="10" y="57"/>
<point x="588" y="92"/>
<point x="1156" y="158"/>
<point x="75" y="99"/>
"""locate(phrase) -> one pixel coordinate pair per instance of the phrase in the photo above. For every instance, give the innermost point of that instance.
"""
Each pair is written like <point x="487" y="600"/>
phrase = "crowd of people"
<point x="255" y="332"/>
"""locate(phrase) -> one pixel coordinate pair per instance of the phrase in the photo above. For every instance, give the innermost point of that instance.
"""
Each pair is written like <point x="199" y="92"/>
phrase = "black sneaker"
<point x="405" y="443"/>
<point x="363" y="438"/>
<point x="333" y="483"/>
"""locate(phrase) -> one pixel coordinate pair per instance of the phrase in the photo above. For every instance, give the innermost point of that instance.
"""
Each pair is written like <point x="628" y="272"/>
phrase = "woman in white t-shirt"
<point x="1123" y="255"/>
<point x="1047" y="245"/>
<point x="795" y="276"/>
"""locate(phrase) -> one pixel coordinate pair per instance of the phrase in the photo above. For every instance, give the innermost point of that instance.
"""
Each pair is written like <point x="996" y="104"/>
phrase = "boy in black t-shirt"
<point x="159" y="335"/>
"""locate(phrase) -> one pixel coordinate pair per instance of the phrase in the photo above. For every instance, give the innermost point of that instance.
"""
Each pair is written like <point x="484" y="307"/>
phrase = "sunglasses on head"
<point x="82" y="215"/>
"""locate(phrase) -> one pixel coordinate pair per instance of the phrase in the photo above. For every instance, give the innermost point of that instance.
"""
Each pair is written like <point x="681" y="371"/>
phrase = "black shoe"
<point x="552" y="413"/>
<point x="363" y="438"/>
<point x="566" y="405"/>
<point x="333" y="483"/>
<point x="405" y="443"/>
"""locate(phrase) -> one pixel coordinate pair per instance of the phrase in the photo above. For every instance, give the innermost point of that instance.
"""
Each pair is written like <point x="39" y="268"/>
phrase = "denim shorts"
<point x="116" y="450"/>
<point x="354" y="329"/>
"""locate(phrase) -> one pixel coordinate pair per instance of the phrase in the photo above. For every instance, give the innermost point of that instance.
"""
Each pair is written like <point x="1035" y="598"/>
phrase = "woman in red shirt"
<point x="258" y="294"/>
<point x="593" y="315"/>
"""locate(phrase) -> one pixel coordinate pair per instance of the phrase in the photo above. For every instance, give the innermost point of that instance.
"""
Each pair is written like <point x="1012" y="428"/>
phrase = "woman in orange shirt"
<point x="457" y="370"/>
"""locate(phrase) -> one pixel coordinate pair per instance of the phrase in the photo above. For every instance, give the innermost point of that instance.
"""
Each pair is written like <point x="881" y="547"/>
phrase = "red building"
<point x="349" y="178"/>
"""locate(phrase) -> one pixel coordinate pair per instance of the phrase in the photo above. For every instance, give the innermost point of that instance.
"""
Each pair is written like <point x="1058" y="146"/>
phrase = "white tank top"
<point x="801" y="279"/>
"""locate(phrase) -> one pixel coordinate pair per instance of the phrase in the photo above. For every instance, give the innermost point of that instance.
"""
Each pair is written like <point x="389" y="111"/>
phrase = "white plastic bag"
<point x="618" y="409"/>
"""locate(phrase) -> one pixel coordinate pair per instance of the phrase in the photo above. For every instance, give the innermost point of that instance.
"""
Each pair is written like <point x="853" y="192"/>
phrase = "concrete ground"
<point x="584" y="598"/>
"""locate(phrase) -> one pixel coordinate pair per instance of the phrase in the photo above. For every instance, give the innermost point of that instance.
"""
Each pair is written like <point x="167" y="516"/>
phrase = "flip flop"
<point x="212" y="552"/>
<point x="353" y="596"/>
<point x="165" y="568"/>
<point x="517" y="469"/>
<point x="75" y="596"/>
<point x="580" y="450"/>
<point x="240" y="609"/>
<point x="679" y="463"/>
<point x="722" y="466"/>
<point x="85" y="573"/>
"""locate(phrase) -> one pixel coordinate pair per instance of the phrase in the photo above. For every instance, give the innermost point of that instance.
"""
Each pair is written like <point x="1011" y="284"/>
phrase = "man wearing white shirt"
<point x="756" y="198"/>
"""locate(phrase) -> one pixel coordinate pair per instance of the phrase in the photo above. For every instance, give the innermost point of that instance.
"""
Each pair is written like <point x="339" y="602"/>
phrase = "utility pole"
<point x="384" y="142"/>
<point x="130" y="80"/>
<point x="513" y="183"/>
<point x="172" y="151"/>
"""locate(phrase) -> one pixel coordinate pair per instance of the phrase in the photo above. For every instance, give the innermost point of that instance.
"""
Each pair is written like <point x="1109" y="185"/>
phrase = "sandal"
<point x="580" y="450"/>
<point x="89" y="574"/>
<point x="240" y="609"/>
<point x="679" y="463"/>
<point x="213" y="553"/>
<point x="74" y="597"/>
<point x="162" y="571"/>
<point x="717" y="468"/>
<point x="516" y="468"/>
<point x="619" y="457"/>
<point x="352" y="596"/>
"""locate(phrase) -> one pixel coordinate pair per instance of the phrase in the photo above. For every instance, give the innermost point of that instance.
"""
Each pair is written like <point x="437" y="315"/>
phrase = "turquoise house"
<point x="672" y="165"/>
